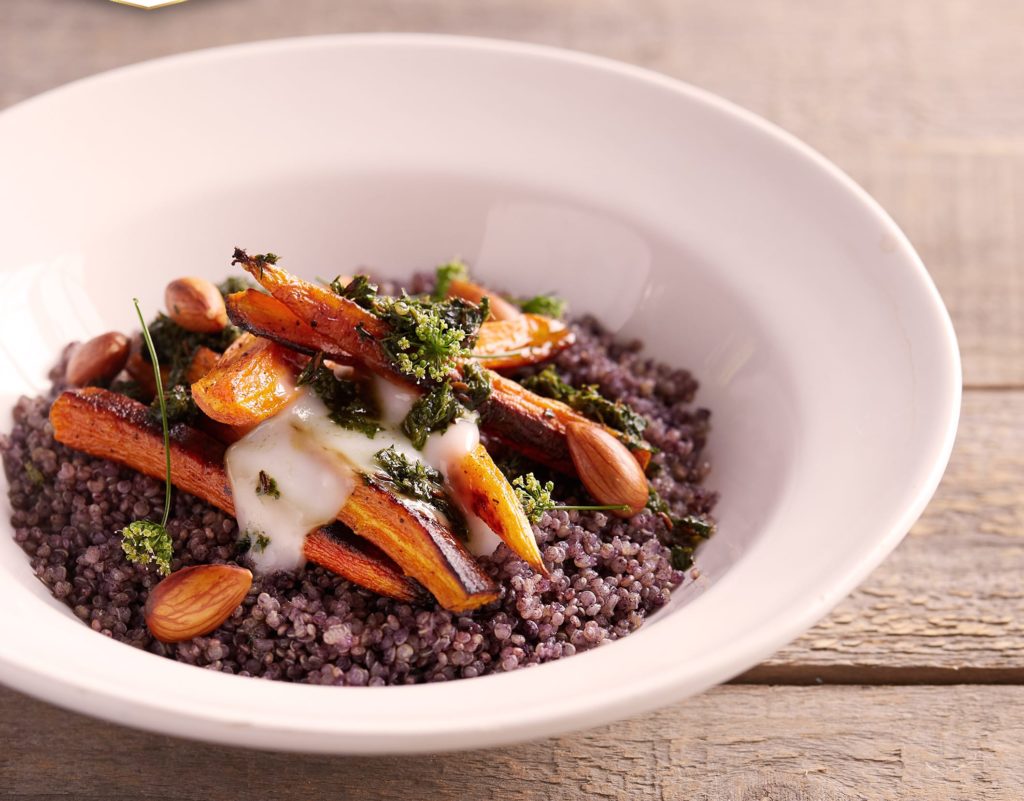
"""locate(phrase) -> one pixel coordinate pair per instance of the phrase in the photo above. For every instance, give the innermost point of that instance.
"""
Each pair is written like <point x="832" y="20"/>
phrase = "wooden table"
<point x="912" y="688"/>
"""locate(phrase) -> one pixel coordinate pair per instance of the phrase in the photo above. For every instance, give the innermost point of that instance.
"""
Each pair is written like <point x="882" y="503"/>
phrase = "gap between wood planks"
<point x="813" y="675"/>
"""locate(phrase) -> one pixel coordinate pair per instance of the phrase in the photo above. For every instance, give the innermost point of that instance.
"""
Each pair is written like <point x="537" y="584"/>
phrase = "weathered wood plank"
<point x="950" y="598"/>
<point x="735" y="743"/>
<point x="917" y="100"/>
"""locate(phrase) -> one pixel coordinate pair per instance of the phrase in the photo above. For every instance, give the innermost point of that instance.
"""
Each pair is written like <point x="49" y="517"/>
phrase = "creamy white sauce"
<point x="316" y="463"/>
<point x="313" y="487"/>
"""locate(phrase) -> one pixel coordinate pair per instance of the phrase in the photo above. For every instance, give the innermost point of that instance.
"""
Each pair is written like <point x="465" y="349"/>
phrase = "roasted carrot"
<point x="482" y="489"/>
<point x="203" y="361"/>
<point x="248" y="385"/>
<point x="352" y="329"/>
<point x="523" y="340"/>
<point x="112" y="426"/>
<point x="525" y="421"/>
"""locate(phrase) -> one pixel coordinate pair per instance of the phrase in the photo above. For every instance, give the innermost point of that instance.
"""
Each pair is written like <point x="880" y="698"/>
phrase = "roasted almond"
<point x="195" y="600"/>
<point x="196" y="305"/>
<point x="98" y="360"/>
<point x="501" y="309"/>
<point x="607" y="469"/>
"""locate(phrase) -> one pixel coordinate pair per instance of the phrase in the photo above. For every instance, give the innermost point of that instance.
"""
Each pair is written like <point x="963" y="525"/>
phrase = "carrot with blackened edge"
<point x="112" y="426"/>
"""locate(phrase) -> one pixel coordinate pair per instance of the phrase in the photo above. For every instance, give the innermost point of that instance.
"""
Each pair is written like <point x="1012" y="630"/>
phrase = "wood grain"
<point x="731" y="744"/>
<point x="948" y="605"/>
<point x="918" y="100"/>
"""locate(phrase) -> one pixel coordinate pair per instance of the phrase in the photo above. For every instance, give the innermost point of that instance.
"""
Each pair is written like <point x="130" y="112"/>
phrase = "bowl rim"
<point x="629" y="699"/>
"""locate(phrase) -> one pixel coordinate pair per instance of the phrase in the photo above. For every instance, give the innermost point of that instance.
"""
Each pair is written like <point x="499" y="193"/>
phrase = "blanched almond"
<point x="196" y="305"/>
<point x="98" y="360"/>
<point x="195" y="600"/>
<point x="606" y="467"/>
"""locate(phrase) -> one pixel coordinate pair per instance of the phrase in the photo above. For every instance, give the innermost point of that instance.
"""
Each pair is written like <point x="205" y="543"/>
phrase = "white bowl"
<point x="822" y="346"/>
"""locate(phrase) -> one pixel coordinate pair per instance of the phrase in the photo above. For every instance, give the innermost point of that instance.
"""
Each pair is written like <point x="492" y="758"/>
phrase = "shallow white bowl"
<point x="822" y="346"/>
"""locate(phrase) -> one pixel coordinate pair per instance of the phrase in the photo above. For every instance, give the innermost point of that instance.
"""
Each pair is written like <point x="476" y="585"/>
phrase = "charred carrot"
<point x="112" y="426"/>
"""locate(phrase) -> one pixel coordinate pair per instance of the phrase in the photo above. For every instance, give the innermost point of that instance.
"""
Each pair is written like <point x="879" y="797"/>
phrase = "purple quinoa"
<point x="607" y="574"/>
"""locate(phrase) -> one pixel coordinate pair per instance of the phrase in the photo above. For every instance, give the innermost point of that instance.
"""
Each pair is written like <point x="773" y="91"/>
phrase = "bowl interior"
<point x="820" y="344"/>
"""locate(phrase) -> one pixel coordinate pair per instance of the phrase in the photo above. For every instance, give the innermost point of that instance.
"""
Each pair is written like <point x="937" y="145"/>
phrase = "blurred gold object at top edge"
<point x="149" y="5"/>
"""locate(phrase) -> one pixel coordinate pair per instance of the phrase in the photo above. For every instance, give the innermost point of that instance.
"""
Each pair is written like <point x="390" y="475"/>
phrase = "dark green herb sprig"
<point x="444" y="403"/>
<point x="179" y="405"/>
<point x="447" y="273"/>
<point x="267" y="486"/>
<point x="144" y="541"/>
<point x="420" y="481"/>
<point x="535" y="498"/>
<point x="683" y="534"/>
<point x="256" y="542"/>
<point x="547" y="305"/>
<point x="589" y="402"/>
<point x="433" y="411"/>
<point x="175" y="346"/>
<point x="350" y="403"/>
<point x="359" y="290"/>
<point x="427" y="338"/>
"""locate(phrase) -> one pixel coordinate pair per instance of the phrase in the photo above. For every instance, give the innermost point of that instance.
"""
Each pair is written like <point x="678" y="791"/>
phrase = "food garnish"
<point x="143" y="541"/>
<point x="683" y="534"/>
<point x="536" y="500"/>
<point x="588" y="401"/>
<point x="546" y="305"/>
<point x="350" y="402"/>
<point x="445" y="274"/>
<point x="267" y="486"/>
<point x="420" y="481"/>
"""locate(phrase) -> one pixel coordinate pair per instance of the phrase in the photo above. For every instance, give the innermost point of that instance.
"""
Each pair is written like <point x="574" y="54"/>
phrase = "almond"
<point x="196" y="305"/>
<point x="606" y="467"/>
<point x="195" y="600"/>
<point x="98" y="360"/>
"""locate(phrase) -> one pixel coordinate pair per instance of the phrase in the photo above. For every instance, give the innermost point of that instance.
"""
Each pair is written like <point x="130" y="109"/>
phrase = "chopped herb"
<point x="309" y="372"/>
<point x="683" y="534"/>
<point x="350" y="403"/>
<point x="363" y="333"/>
<point x="175" y="346"/>
<point x="428" y="339"/>
<point x="181" y="407"/>
<point x="447" y="273"/>
<point x="475" y="387"/>
<point x="143" y="541"/>
<point x="433" y="411"/>
<point x="591" y="403"/>
<point x="358" y="290"/>
<point x="34" y="474"/>
<point x="265" y="485"/>
<point x="128" y="387"/>
<point x="681" y="556"/>
<point x="235" y="283"/>
<point x="420" y="481"/>
<point x="535" y="498"/>
<point x="249" y="541"/>
<point x="548" y="305"/>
